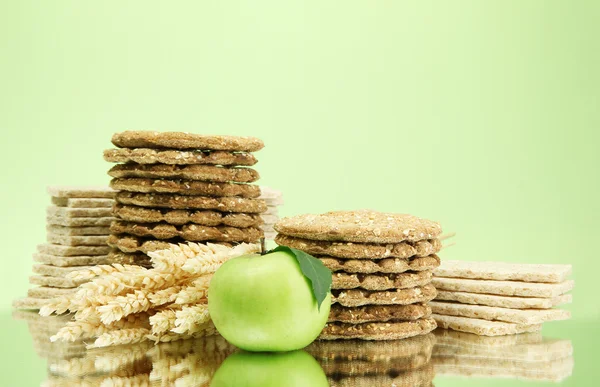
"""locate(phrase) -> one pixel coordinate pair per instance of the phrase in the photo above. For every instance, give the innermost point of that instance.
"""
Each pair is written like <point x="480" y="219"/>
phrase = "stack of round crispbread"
<point x="382" y="270"/>
<point x="174" y="187"/>
<point x="273" y="199"/>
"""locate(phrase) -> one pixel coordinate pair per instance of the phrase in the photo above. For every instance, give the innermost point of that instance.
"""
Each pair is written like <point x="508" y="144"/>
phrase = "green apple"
<point x="265" y="303"/>
<point x="288" y="369"/>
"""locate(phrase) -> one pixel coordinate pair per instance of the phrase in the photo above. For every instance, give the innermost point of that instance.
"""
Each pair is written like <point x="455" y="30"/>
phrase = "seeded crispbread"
<point x="517" y="316"/>
<point x="181" y="217"/>
<point x="184" y="140"/>
<point x="352" y="250"/>
<point x="504" y="288"/>
<point x="83" y="202"/>
<point x="342" y="280"/>
<point x="189" y="232"/>
<point x="360" y="297"/>
<point x="185" y="172"/>
<point x="140" y="259"/>
<point x="77" y="231"/>
<point x="378" y="313"/>
<point x="377" y="331"/>
<point x="132" y="244"/>
<point x="79" y="222"/>
<point x="56" y="260"/>
<point x="387" y="265"/>
<point x="66" y="212"/>
<point x="57" y="271"/>
<point x="56" y="282"/>
<point x="364" y="226"/>
<point x="185" y="187"/>
<point x="80" y="192"/>
<point x="84" y="240"/>
<point x="503" y="301"/>
<point x="223" y="204"/>
<point x="504" y="271"/>
<point x="483" y="327"/>
<point x="178" y="157"/>
<point x="49" y="292"/>
<point x="69" y="251"/>
<point x="30" y="303"/>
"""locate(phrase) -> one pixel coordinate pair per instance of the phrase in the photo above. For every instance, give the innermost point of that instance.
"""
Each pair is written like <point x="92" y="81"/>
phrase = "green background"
<point x="483" y="115"/>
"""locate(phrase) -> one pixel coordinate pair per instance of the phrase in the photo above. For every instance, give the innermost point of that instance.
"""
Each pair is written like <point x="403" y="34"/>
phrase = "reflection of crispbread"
<point x="504" y="301"/>
<point x="505" y="288"/>
<point x="180" y="217"/>
<point x="362" y="250"/>
<point x="422" y="377"/>
<point x="378" y="366"/>
<point x="56" y="282"/>
<point x="82" y="202"/>
<point x="49" y="292"/>
<point x="377" y="331"/>
<point x="57" y="271"/>
<point x="517" y="316"/>
<point x="381" y="313"/>
<point x="504" y="271"/>
<point x="223" y="204"/>
<point x="343" y="280"/>
<point x="185" y="172"/>
<point x="359" y="226"/>
<point x="82" y="240"/>
<point x="79" y="222"/>
<point x="77" y="231"/>
<point x="80" y="192"/>
<point x="132" y="244"/>
<point x="69" y="251"/>
<point x="483" y="327"/>
<point x="500" y="343"/>
<point x="189" y="232"/>
<point x="66" y="212"/>
<point x="182" y="140"/>
<point x="387" y="265"/>
<point x="56" y="260"/>
<point x="359" y="297"/>
<point x="185" y="187"/>
<point x="178" y="157"/>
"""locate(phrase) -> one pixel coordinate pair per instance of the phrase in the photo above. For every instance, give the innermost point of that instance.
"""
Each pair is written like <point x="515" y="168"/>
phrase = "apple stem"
<point x="263" y="248"/>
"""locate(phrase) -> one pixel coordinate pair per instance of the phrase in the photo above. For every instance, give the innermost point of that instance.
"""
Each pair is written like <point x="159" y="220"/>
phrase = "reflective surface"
<point x="444" y="358"/>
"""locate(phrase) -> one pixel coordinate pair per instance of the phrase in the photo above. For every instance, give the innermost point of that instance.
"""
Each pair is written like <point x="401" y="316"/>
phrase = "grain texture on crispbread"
<point x="80" y="192"/>
<point x="378" y="366"/>
<point x="378" y="313"/>
<point x="56" y="282"/>
<point x="181" y="217"/>
<point x="503" y="301"/>
<point x="31" y="303"/>
<point x="189" y="232"/>
<point x="69" y="251"/>
<point x="377" y="331"/>
<point x="351" y="250"/>
<point x="185" y="172"/>
<point x="223" y="204"/>
<point x="137" y="258"/>
<point x="178" y="157"/>
<point x="56" y="260"/>
<point x="132" y="244"/>
<point x="49" y="292"/>
<point x="184" y="140"/>
<point x="387" y="265"/>
<point x="82" y="240"/>
<point x="67" y="212"/>
<point x="77" y="231"/>
<point x="360" y="297"/>
<point x="79" y="222"/>
<point x="422" y="377"/>
<point x="185" y="187"/>
<point x="517" y="316"/>
<point x="57" y="271"/>
<point x="504" y="288"/>
<point x="83" y="202"/>
<point x="342" y="280"/>
<point x="362" y="226"/>
<point x="504" y="271"/>
<point x="483" y="327"/>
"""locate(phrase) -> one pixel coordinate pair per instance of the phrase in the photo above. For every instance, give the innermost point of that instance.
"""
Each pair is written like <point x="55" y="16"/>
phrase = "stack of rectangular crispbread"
<point x="496" y="298"/>
<point x="174" y="187"/>
<point x="382" y="269"/>
<point x="525" y="356"/>
<point x="77" y="230"/>
<point x="274" y="199"/>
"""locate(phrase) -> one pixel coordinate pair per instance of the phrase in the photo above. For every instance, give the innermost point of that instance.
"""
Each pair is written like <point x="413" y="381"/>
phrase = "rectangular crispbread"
<point x="67" y="212"/>
<point x="78" y="231"/>
<point x="83" y="202"/>
<point x="482" y="327"/>
<point x="48" y="292"/>
<point x="79" y="222"/>
<point x="70" y="251"/>
<point x="29" y="303"/>
<point x="55" y="282"/>
<point x="80" y="192"/>
<point x="499" y="343"/>
<point x="503" y="288"/>
<point x="57" y="271"/>
<point x="504" y="271"/>
<point x="492" y="313"/>
<point x="503" y="301"/>
<point x="81" y="260"/>
<point x="80" y="240"/>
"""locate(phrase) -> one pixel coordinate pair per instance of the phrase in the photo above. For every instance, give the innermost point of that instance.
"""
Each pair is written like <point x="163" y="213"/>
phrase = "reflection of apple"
<point x="265" y="303"/>
<point x="289" y="369"/>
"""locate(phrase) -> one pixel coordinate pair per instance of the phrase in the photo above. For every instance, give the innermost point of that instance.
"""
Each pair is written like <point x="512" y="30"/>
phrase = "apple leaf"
<point x="313" y="269"/>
